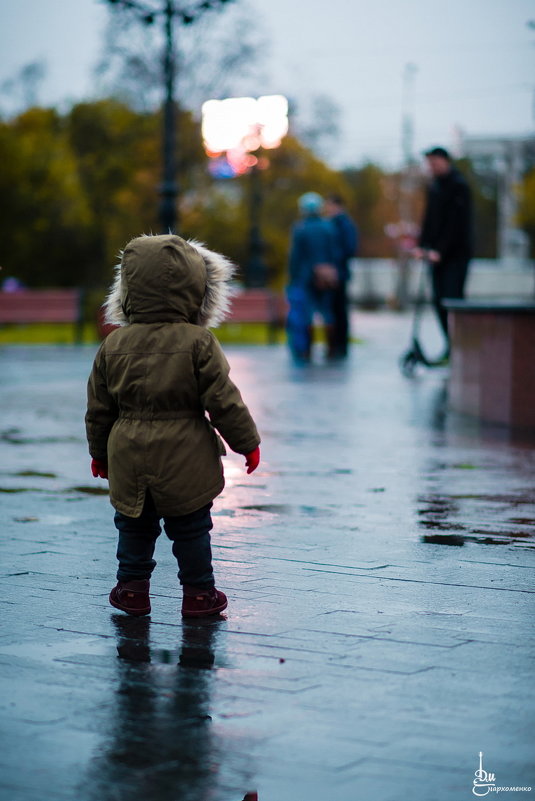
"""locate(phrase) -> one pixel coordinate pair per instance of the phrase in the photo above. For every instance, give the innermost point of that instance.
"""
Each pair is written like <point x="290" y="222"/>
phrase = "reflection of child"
<point x="152" y="382"/>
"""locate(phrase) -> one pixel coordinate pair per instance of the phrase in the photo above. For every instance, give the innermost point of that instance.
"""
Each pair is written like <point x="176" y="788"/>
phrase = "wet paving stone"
<point x="362" y="658"/>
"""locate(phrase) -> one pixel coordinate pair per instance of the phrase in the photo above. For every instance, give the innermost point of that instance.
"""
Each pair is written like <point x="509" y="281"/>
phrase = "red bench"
<point x="249" y="306"/>
<point x="254" y="306"/>
<point x="259" y="306"/>
<point x="41" y="306"/>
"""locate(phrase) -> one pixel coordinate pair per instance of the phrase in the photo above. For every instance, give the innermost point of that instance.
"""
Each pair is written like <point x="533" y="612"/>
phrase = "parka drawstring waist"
<point x="184" y="414"/>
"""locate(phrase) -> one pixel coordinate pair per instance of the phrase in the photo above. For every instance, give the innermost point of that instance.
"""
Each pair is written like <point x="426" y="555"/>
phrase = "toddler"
<point x="153" y="383"/>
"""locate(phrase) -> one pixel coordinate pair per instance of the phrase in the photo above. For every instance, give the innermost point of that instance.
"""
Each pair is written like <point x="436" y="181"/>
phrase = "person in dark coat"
<point x="446" y="235"/>
<point x="313" y="276"/>
<point x="347" y="234"/>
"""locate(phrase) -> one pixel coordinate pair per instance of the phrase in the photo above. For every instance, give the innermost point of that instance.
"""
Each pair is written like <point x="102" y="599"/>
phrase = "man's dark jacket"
<point x="447" y="225"/>
<point x="348" y="240"/>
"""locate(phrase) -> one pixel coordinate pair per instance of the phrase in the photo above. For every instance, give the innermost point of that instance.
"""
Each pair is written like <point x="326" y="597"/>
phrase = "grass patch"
<point x="47" y="334"/>
<point x="249" y="334"/>
<point x="67" y="334"/>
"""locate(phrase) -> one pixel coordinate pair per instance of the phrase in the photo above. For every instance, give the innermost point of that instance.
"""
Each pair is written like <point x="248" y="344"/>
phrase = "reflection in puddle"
<point x="160" y="741"/>
<point x="443" y="539"/>
<point x="440" y="513"/>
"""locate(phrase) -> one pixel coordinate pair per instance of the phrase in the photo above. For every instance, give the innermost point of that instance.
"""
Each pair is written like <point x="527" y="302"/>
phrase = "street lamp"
<point x="187" y="14"/>
<point x="234" y="130"/>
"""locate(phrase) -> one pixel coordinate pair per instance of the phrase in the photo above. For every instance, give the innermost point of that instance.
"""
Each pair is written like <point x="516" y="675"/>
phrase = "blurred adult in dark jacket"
<point x="446" y="236"/>
<point x="313" y="275"/>
<point x="347" y="235"/>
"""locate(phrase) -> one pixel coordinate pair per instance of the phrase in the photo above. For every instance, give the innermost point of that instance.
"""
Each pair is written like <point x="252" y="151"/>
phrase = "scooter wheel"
<point x="407" y="364"/>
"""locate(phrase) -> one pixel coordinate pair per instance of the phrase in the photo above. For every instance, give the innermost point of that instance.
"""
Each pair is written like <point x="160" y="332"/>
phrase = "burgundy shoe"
<point x="131" y="597"/>
<point x="197" y="602"/>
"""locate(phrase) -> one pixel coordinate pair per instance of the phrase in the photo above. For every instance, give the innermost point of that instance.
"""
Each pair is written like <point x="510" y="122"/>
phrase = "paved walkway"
<point x="364" y="657"/>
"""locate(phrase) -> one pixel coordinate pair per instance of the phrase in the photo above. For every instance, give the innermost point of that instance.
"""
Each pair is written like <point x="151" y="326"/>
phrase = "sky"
<point x="473" y="64"/>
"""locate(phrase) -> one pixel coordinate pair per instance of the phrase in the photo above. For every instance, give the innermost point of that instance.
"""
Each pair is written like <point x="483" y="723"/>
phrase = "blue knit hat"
<point x="310" y="203"/>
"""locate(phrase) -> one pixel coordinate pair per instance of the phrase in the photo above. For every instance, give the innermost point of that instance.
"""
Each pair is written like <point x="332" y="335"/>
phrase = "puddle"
<point x="12" y="490"/>
<point x="446" y="526"/>
<point x="90" y="490"/>
<point x="504" y="534"/>
<point x="286" y="509"/>
<point x="443" y="539"/>
<point x="14" y="436"/>
<point x="512" y="500"/>
<point x="274" y="508"/>
<point x="86" y="490"/>
<point x="34" y="474"/>
<point x="486" y="520"/>
<point x="460" y="539"/>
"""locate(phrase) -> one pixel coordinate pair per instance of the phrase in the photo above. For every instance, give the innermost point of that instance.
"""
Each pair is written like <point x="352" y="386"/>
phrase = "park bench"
<point x="41" y="306"/>
<point x="258" y="306"/>
<point x="493" y="360"/>
<point x="247" y="306"/>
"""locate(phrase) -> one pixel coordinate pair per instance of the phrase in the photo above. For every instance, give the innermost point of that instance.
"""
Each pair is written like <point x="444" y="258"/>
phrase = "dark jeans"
<point x="448" y="278"/>
<point x="190" y="535"/>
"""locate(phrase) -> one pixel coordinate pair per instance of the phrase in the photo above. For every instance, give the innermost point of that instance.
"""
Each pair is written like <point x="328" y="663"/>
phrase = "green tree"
<point x="77" y="187"/>
<point x="219" y="212"/>
<point x="373" y="204"/>
<point x="117" y="157"/>
<point x="46" y="217"/>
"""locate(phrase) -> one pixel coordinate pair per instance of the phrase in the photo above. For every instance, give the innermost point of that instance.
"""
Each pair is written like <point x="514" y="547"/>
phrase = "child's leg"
<point x="137" y="540"/>
<point x="190" y="535"/>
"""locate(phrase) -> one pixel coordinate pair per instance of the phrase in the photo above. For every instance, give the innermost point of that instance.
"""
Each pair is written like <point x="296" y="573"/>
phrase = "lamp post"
<point x="169" y="187"/>
<point x="256" y="269"/>
<point x="187" y="14"/>
<point x="235" y="131"/>
<point x="406" y="188"/>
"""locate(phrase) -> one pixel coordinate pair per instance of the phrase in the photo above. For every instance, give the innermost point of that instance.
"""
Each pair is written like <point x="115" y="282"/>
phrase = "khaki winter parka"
<point x="160" y="383"/>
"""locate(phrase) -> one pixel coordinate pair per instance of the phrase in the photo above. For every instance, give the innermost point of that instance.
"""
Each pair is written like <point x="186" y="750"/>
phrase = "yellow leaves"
<point x="526" y="208"/>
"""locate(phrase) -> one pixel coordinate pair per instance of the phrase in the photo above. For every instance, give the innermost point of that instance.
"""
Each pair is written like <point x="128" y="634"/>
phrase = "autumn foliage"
<point x="76" y="186"/>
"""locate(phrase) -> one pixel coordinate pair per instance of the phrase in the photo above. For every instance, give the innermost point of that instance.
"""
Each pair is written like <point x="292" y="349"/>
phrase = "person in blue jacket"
<point x="347" y="234"/>
<point x="313" y="276"/>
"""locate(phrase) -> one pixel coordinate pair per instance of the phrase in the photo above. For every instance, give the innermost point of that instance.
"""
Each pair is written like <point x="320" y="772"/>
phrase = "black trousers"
<point x="448" y="279"/>
<point x="340" y="333"/>
<point x="190" y="535"/>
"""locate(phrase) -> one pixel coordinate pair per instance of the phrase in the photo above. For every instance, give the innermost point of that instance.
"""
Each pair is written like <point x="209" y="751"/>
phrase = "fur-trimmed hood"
<point x="168" y="279"/>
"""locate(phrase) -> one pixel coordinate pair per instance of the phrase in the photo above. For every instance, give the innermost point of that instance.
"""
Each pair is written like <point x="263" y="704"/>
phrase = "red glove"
<point x="252" y="460"/>
<point x="99" y="468"/>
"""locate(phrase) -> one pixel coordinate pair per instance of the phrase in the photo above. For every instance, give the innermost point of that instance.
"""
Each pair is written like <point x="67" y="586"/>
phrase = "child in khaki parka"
<point x="153" y="380"/>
